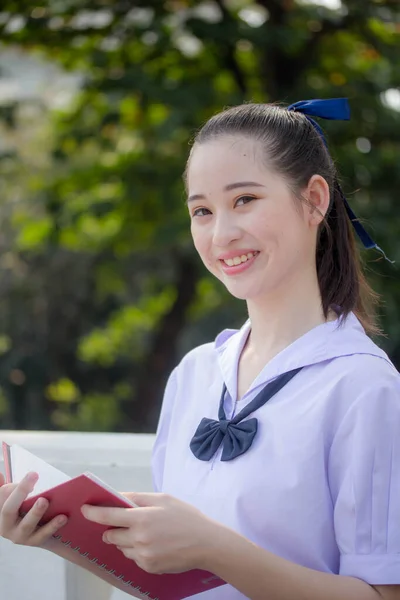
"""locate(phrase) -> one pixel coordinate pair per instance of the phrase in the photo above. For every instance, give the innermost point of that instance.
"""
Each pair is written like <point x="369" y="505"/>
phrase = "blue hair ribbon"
<point x="336" y="109"/>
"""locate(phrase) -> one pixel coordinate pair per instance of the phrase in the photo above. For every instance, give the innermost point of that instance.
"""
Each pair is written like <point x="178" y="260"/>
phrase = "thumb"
<point x="143" y="499"/>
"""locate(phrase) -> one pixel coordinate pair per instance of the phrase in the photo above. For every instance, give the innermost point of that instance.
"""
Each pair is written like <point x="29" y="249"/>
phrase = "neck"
<point x="285" y="315"/>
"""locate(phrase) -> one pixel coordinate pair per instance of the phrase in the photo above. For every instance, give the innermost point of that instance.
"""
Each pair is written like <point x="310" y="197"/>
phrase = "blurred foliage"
<point x="101" y="291"/>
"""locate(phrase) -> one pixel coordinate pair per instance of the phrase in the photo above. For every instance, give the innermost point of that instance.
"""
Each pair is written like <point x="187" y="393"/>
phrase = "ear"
<point x="318" y="196"/>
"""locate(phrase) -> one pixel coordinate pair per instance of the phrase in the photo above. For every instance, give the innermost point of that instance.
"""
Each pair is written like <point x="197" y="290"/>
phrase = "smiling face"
<point x="249" y="230"/>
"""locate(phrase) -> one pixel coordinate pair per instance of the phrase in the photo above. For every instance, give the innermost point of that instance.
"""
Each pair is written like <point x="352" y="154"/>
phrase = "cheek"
<point x="201" y="243"/>
<point x="280" y="234"/>
<point x="293" y="242"/>
<point x="267" y="229"/>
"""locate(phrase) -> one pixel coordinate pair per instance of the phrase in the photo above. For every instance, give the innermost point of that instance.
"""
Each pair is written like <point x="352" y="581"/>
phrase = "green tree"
<point x="102" y="289"/>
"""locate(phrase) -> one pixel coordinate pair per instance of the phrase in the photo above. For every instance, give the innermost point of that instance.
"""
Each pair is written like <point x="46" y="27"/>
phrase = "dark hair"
<point x="295" y="149"/>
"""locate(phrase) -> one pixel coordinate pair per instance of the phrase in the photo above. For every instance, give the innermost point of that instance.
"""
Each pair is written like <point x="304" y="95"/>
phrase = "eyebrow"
<point x="227" y="188"/>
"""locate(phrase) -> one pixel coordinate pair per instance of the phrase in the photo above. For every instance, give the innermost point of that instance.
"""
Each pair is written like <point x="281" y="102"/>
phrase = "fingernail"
<point x="61" y="521"/>
<point x="32" y="477"/>
<point x="41" y="503"/>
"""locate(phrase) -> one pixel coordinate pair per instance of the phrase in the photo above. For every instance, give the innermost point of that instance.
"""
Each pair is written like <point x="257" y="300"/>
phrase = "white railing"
<point x="122" y="460"/>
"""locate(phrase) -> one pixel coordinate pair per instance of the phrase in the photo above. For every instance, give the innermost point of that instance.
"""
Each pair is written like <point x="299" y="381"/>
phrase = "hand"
<point x="25" y="530"/>
<point x="162" y="535"/>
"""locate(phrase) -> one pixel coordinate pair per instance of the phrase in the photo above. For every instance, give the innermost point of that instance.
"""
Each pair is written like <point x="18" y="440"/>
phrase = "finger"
<point x="12" y="505"/>
<point x="128" y="552"/>
<point x="46" y="531"/>
<point x="118" y="517"/>
<point x="26" y="527"/>
<point x="10" y="509"/>
<point x="119" y="537"/>
<point x="5" y="492"/>
<point x="129" y="497"/>
<point x="146" y="499"/>
<point x="2" y="480"/>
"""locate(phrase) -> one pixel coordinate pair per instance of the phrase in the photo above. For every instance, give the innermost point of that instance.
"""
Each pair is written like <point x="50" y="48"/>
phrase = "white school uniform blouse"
<point x="320" y="485"/>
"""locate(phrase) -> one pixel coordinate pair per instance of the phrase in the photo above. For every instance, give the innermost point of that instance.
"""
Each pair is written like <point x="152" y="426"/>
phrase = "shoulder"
<point x="203" y="354"/>
<point x="364" y="415"/>
<point x="198" y="370"/>
<point x="356" y="363"/>
<point x="204" y="358"/>
<point x="366" y="400"/>
<point x="366" y="370"/>
<point x="365" y="386"/>
<point x="353" y="378"/>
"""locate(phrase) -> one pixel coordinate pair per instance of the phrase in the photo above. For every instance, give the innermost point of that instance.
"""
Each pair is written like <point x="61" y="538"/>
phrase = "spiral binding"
<point x="103" y="567"/>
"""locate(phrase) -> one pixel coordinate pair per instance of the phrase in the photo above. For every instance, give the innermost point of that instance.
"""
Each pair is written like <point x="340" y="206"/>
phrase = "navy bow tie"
<point x="335" y="109"/>
<point x="235" y="435"/>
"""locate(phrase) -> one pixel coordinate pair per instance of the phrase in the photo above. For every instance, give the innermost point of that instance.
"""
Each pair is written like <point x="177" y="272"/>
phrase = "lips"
<point x="238" y="259"/>
<point x="238" y="262"/>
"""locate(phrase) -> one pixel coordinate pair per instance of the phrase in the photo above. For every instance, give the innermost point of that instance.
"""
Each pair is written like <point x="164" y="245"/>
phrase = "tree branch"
<point x="280" y="71"/>
<point x="230" y="58"/>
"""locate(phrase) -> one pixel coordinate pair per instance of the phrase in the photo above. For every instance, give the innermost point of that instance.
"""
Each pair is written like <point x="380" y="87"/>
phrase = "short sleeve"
<point x="364" y="478"/>
<point x="160" y="444"/>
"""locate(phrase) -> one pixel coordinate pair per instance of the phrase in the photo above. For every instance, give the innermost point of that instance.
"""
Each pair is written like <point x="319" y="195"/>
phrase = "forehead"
<point x="219" y="160"/>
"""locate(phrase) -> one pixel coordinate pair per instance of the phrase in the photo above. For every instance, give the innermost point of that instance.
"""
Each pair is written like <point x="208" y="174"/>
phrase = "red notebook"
<point x="66" y="496"/>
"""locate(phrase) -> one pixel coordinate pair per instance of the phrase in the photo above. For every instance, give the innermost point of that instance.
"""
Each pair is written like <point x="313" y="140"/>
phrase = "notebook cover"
<point x="86" y="537"/>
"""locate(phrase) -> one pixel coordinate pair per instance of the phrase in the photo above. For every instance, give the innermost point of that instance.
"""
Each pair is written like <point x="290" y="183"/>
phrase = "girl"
<point x="277" y="459"/>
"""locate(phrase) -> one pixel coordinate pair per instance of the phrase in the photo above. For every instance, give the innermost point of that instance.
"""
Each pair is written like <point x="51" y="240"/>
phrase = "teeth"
<point x="237" y="260"/>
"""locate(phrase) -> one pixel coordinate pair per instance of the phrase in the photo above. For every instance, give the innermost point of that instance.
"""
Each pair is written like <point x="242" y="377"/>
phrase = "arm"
<point x="259" y="575"/>
<point x="165" y="535"/>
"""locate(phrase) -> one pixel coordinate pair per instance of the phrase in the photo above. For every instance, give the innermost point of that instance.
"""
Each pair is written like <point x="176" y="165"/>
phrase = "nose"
<point x="226" y="231"/>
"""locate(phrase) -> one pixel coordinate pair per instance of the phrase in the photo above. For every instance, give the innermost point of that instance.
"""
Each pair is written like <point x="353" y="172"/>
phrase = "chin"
<point x="243" y="293"/>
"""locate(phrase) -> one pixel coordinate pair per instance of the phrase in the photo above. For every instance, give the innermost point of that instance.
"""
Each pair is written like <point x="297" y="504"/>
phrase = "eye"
<point x="201" y="212"/>
<point x="244" y="200"/>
